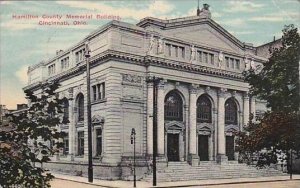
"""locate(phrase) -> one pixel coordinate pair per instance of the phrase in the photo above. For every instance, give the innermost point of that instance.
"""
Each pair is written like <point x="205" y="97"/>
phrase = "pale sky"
<point x="24" y="42"/>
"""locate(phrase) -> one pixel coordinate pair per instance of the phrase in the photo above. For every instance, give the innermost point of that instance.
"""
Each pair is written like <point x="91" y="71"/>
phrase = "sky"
<point x="23" y="42"/>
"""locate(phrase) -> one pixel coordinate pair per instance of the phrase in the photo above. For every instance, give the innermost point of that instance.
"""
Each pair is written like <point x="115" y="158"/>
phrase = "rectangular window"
<point x="176" y="51"/>
<point x="94" y="93"/>
<point x="168" y="47"/>
<point x="103" y="90"/>
<point x="80" y="143"/>
<point x="237" y="63"/>
<point x="77" y="57"/>
<point x="182" y="52"/>
<point x="65" y="63"/>
<point x="212" y="60"/>
<point x="205" y="57"/>
<point x="227" y="61"/>
<point x="200" y="56"/>
<point x="232" y="62"/>
<point x="66" y="145"/>
<point x="98" y="142"/>
<point x="99" y="91"/>
<point x="51" y="69"/>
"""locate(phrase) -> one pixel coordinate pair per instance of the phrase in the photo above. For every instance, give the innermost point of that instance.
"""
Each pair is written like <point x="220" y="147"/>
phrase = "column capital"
<point x="70" y="91"/>
<point x="150" y="84"/>
<point x="246" y="95"/>
<point x="161" y="84"/>
<point x="222" y="92"/>
<point x="193" y="88"/>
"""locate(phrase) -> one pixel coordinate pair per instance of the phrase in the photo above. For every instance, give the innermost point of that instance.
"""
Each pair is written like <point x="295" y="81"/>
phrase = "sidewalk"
<point x="126" y="184"/>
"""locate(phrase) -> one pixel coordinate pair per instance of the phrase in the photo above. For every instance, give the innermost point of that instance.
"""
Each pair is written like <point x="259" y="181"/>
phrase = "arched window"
<point x="173" y="107"/>
<point x="80" y="110"/>
<point x="230" y="112"/>
<point x="65" y="106"/>
<point x="203" y="110"/>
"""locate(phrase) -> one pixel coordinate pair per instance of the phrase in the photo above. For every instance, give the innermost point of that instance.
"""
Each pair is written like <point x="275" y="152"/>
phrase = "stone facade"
<point x="194" y="56"/>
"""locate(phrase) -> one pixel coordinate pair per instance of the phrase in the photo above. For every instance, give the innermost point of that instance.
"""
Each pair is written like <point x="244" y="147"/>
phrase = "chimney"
<point x="198" y="9"/>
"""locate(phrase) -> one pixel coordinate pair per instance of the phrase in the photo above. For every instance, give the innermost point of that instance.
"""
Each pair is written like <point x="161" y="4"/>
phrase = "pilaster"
<point x="160" y="119"/>
<point x="246" y="108"/>
<point x="150" y="118"/>
<point x="221" y="154"/>
<point x="193" y="157"/>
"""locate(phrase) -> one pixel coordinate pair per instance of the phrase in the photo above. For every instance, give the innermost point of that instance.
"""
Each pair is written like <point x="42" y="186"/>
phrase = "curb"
<point x="187" y="185"/>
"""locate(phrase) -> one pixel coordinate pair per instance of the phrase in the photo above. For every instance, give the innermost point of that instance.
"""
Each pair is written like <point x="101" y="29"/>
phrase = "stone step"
<point x="182" y="171"/>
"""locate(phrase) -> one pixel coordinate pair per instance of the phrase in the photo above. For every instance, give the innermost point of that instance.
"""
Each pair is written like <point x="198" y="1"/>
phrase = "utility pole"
<point x="155" y="82"/>
<point x="89" y="113"/>
<point x="133" y="142"/>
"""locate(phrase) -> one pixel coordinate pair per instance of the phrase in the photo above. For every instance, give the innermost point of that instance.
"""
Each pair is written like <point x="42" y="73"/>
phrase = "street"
<point x="59" y="183"/>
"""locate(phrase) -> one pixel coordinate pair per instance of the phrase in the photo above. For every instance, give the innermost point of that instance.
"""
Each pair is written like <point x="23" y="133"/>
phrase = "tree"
<point x="24" y="142"/>
<point x="277" y="133"/>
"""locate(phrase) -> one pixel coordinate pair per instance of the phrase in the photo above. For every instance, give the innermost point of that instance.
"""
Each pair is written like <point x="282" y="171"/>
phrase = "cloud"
<point x="277" y="17"/>
<point x="236" y="22"/>
<point x="21" y="74"/>
<point x="243" y="6"/>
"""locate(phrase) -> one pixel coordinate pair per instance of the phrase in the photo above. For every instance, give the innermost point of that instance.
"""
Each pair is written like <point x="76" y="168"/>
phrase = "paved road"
<point x="58" y="183"/>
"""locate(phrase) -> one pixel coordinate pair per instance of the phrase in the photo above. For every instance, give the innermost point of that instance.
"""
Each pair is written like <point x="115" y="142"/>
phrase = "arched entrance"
<point x="174" y="128"/>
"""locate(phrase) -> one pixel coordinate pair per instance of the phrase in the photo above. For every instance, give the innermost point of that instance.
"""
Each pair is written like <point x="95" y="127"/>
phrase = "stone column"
<point x="72" y="129"/>
<point x="160" y="120"/>
<point x="221" y="155"/>
<point x="193" y="157"/>
<point x="150" y="118"/>
<point x="252" y="107"/>
<point x="246" y="109"/>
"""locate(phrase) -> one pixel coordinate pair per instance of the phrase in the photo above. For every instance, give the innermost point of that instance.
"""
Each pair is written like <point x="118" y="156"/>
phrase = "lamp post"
<point x="89" y="118"/>
<point x="132" y="138"/>
<point x="155" y="82"/>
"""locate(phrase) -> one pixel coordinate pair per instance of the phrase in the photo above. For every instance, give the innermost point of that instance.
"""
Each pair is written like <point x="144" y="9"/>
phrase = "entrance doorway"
<point x="203" y="147"/>
<point x="230" y="147"/>
<point x="173" y="147"/>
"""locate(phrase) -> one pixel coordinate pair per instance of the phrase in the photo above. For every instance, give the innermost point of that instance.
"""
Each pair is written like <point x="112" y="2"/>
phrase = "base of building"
<point x="193" y="159"/>
<point x="222" y="158"/>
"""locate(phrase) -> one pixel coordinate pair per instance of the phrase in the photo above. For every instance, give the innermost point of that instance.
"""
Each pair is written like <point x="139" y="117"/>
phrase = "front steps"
<point x="182" y="171"/>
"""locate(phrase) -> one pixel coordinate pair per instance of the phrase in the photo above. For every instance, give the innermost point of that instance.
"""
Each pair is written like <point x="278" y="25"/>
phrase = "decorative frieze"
<point x="130" y="78"/>
<point x="222" y="92"/>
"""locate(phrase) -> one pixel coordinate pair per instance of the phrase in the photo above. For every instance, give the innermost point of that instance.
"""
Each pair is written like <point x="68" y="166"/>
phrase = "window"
<point x="168" y="47"/>
<point x="94" y="92"/>
<point x="232" y="63"/>
<point x="176" y="51"/>
<point x="66" y="145"/>
<point x="64" y="63"/>
<point x="80" y="143"/>
<point x="237" y="63"/>
<point x="205" y="57"/>
<point x="227" y="61"/>
<point x="99" y="91"/>
<point x="80" y="104"/>
<point x="79" y="55"/>
<point x="173" y="106"/>
<point x="230" y="112"/>
<point x="182" y="52"/>
<point x="203" y="110"/>
<point x="65" y="111"/>
<point x="212" y="60"/>
<point x="98" y="142"/>
<point x="199" y="56"/>
<point x="51" y="69"/>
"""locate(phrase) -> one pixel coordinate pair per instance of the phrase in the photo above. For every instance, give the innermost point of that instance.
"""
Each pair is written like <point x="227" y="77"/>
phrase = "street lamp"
<point x="88" y="84"/>
<point x="132" y="138"/>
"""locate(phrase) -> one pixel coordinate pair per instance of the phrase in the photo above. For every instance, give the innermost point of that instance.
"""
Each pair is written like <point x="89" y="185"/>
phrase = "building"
<point x="202" y="98"/>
